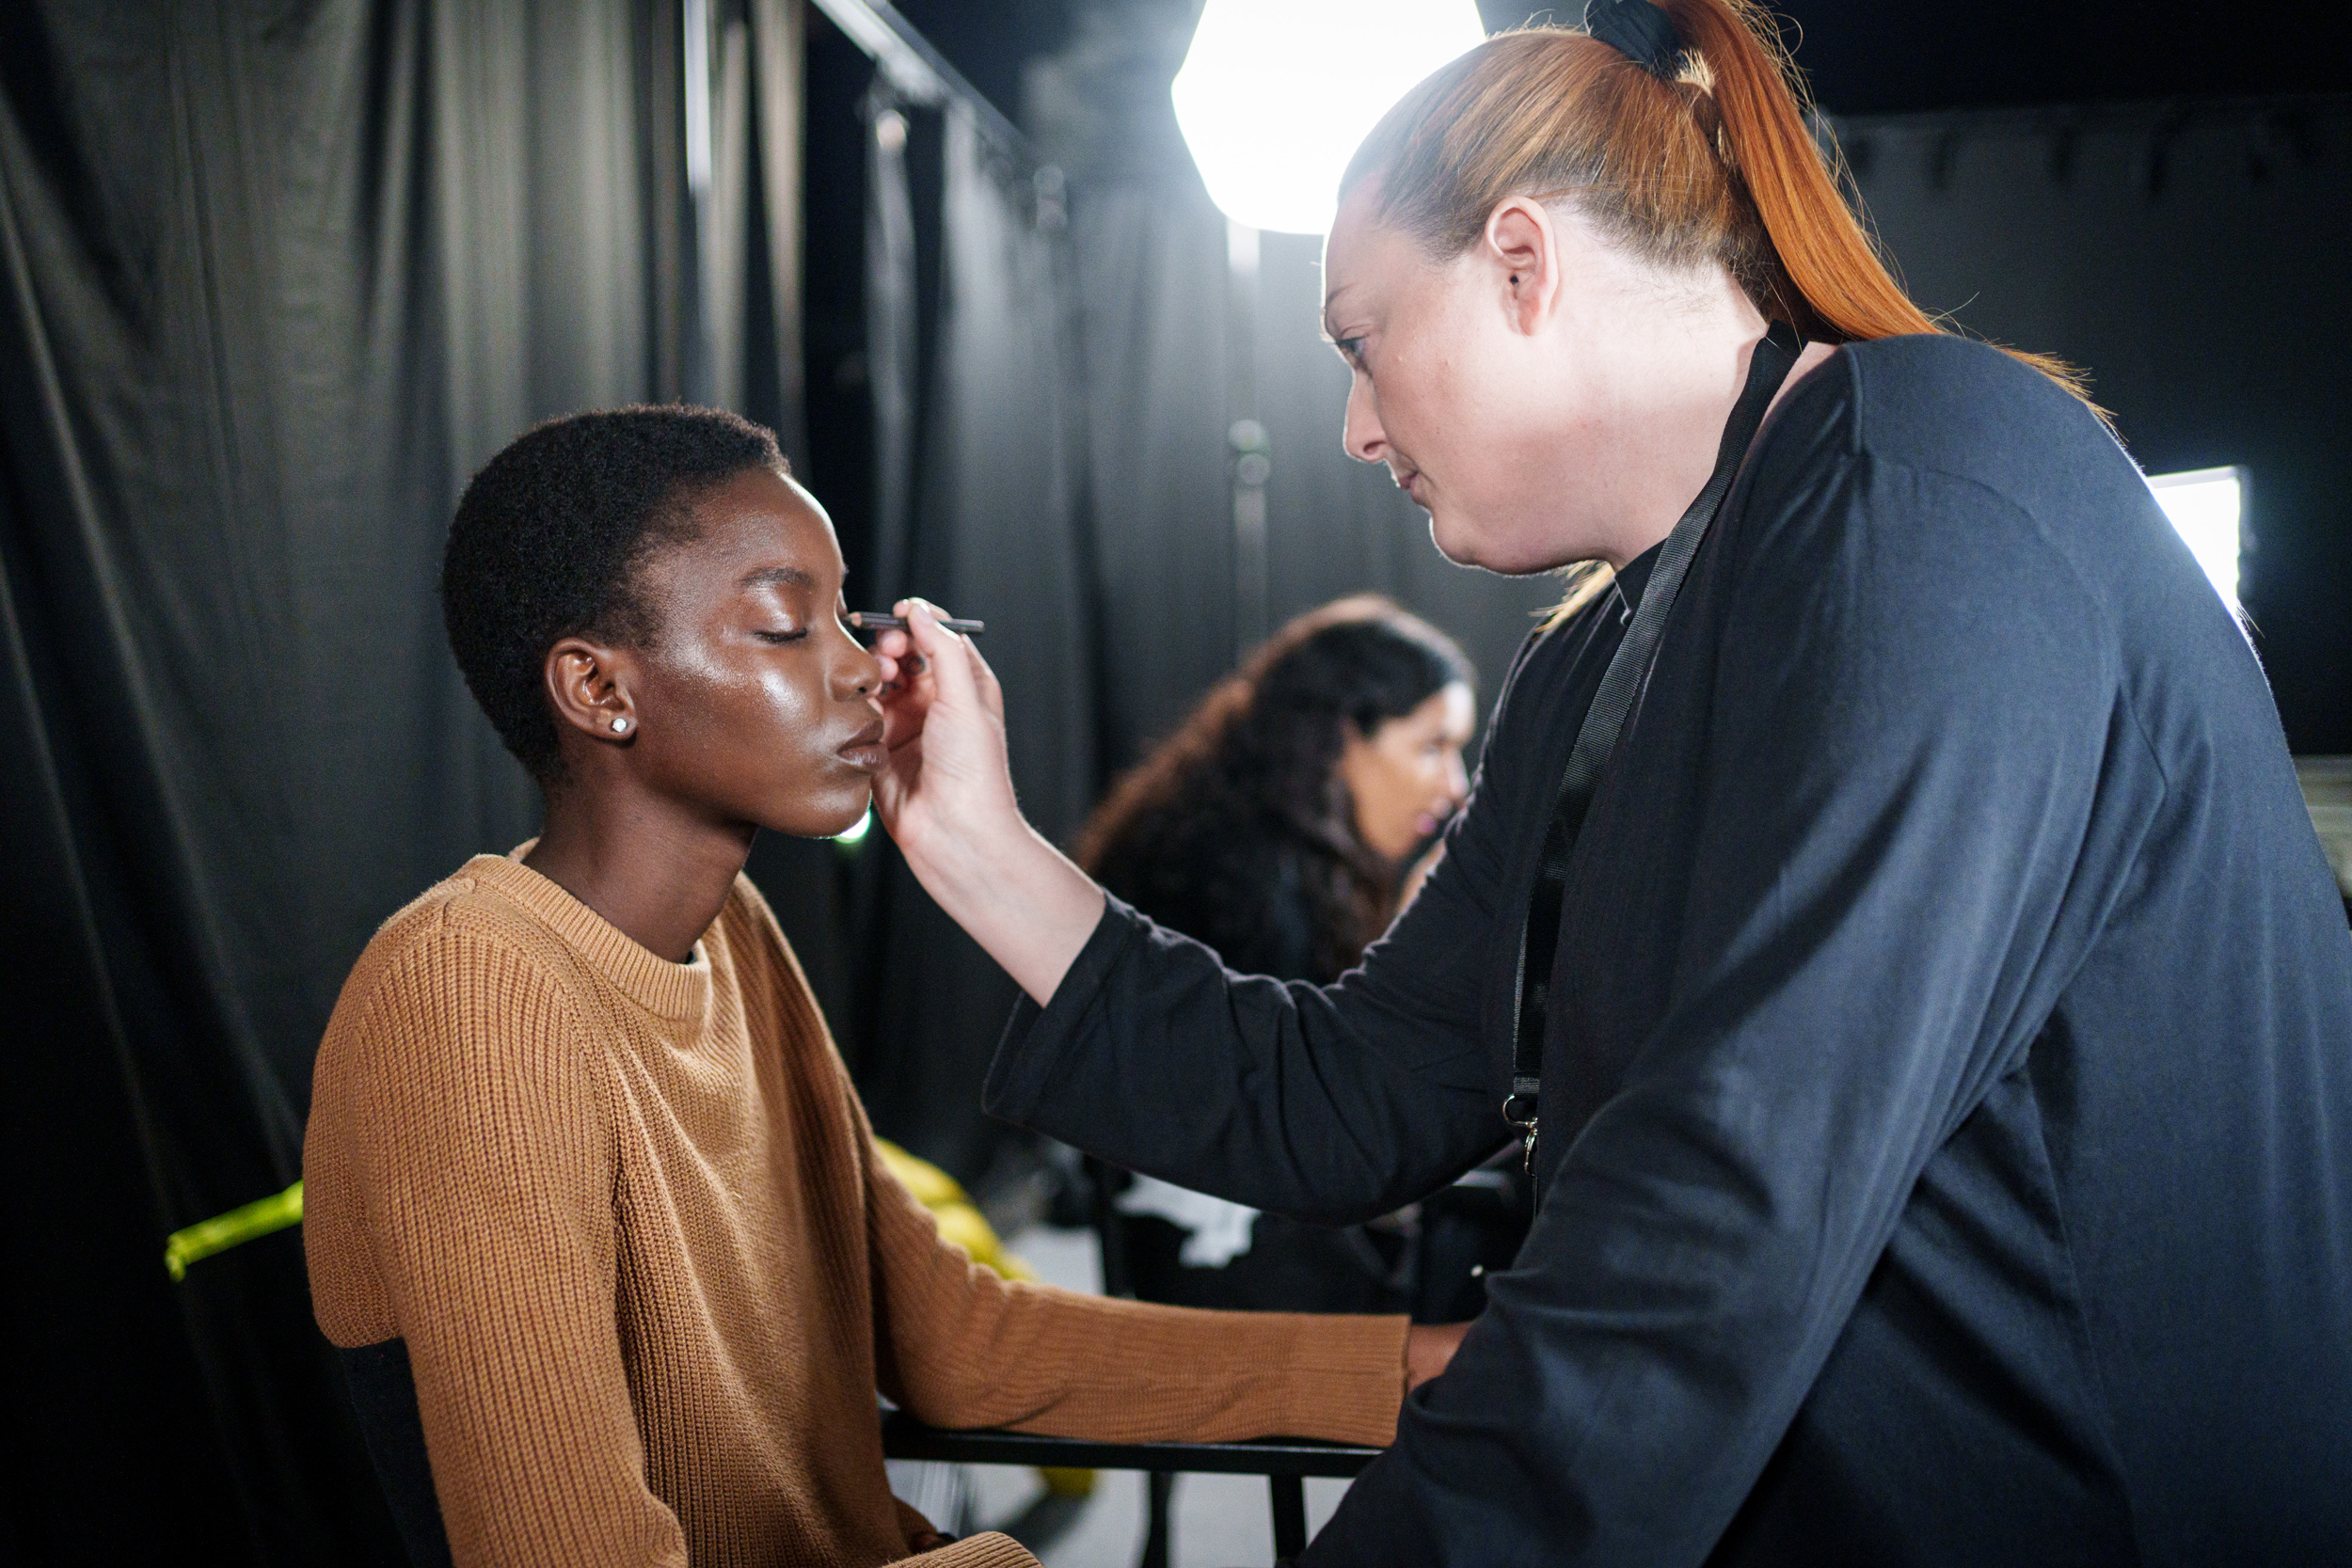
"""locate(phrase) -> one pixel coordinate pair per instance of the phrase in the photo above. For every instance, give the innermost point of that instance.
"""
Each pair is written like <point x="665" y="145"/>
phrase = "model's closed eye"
<point x="782" y="635"/>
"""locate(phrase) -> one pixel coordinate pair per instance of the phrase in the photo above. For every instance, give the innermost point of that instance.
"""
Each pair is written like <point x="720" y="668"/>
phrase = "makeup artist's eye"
<point x="1351" y="350"/>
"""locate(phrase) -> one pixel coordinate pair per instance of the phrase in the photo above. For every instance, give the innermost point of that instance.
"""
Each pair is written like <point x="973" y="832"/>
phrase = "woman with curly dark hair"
<point x="1276" y="826"/>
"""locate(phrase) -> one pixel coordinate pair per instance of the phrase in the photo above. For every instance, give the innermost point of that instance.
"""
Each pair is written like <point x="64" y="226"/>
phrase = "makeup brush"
<point x="874" y="619"/>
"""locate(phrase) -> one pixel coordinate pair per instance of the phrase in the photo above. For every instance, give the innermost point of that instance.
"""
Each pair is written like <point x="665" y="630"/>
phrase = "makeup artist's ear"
<point x="588" y="686"/>
<point x="1521" y="249"/>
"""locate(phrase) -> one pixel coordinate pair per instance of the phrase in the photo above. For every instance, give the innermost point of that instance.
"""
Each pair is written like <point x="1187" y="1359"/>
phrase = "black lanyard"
<point x="1613" y="704"/>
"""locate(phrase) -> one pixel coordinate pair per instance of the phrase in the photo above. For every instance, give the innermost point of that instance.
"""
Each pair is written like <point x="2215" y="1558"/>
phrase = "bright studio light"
<point x="2205" y="507"/>
<point x="1275" y="94"/>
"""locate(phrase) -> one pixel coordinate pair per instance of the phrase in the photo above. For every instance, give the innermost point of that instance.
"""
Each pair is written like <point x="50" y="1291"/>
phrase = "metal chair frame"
<point x="1285" y="1461"/>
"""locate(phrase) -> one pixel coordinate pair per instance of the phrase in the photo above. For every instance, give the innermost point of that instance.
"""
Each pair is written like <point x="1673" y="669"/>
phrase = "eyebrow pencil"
<point x="874" y="620"/>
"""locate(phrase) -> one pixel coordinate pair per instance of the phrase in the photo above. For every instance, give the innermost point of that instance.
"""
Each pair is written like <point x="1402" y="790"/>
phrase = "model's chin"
<point x="826" y="813"/>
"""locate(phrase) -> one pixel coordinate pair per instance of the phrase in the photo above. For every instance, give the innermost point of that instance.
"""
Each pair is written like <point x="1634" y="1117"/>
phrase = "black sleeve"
<point x="1335" y="1103"/>
<point x="1898" y="828"/>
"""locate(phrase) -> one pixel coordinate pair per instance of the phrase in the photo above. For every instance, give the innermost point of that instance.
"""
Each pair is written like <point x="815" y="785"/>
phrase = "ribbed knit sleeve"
<point x="479" y="1132"/>
<point x="958" y="1346"/>
<point x="991" y="1550"/>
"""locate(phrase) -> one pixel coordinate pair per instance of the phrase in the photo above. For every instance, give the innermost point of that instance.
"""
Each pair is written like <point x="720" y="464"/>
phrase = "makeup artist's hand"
<point x="947" y="799"/>
<point x="944" y="725"/>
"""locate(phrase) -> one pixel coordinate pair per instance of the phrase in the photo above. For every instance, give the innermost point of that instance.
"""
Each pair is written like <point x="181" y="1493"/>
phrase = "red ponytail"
<point x="1829" y="262"/>
<point x="1716" y="164"/>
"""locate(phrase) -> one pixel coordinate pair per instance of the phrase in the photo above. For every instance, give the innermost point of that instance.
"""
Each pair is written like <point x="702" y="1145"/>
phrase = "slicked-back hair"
<point x="550" y="535"/>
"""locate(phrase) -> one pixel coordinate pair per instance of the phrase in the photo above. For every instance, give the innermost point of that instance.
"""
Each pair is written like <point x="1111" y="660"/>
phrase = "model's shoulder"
<point x="464" y="940"/>
<point x="467" y="908"/>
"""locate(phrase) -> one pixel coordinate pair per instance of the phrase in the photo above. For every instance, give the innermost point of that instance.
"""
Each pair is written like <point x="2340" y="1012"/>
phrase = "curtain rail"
<point x="917" y="68"/>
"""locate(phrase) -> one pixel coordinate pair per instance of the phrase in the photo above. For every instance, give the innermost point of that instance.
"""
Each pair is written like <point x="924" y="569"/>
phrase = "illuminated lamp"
<point x="1275" y="95"/>
<point x="2208" y="509"/>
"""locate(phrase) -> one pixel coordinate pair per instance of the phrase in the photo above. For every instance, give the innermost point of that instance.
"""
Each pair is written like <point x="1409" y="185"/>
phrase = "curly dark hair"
<point x="548" y="538"/>
<point x="1247" y="797"/>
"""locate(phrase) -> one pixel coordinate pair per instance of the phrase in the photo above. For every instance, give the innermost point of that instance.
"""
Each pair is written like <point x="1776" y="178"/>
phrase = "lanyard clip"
<point x="1518" y="1111"/>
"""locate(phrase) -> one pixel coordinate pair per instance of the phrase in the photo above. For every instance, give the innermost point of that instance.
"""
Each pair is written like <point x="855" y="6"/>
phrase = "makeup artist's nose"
<point x="1361" y="434"/>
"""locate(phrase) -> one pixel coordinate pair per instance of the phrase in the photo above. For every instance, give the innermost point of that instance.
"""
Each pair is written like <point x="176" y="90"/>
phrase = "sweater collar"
<point x="666" y="990"/>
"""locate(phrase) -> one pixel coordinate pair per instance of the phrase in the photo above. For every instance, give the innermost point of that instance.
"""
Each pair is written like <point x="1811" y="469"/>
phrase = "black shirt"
<point x="1947" y="1118"/>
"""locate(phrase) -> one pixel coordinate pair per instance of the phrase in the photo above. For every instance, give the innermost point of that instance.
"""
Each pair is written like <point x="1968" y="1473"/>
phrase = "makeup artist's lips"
<point x="863" y="750"/>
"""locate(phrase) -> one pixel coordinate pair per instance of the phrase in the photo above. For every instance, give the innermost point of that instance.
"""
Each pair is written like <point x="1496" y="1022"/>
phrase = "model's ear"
<point x="588" y="686"/>
<point x="1521" y="248"/>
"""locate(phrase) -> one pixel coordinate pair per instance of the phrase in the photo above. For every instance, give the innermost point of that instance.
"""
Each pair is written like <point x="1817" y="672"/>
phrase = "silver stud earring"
<point x="620" y="726"/>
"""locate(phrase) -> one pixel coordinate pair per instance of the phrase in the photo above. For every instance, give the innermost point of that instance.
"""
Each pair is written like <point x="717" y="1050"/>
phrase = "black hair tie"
<point x="1638" y="30"/>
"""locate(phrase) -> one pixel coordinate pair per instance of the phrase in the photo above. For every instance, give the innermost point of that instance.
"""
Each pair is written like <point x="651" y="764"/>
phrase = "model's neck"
<point x="658" y="875"/>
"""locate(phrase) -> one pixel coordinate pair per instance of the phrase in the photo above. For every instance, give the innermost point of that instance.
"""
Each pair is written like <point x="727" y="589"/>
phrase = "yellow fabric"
<point x="960" y="1222"/>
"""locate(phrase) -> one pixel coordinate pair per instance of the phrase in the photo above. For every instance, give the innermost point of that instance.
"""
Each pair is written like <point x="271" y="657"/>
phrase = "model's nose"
<point x="859" y="675"/>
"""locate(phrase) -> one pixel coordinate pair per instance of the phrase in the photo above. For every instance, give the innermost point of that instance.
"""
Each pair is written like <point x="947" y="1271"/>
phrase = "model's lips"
<point x="863" y="750"/>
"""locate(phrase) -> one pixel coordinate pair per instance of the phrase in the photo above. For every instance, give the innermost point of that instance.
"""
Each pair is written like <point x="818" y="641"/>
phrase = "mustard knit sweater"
<point x="628" y="1218"/>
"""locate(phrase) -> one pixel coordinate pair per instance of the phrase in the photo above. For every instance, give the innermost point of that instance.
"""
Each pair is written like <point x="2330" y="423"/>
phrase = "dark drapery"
<point x="2192" y="258"/>
<point x="980" y="447"/>
<point x="273" y="281"/>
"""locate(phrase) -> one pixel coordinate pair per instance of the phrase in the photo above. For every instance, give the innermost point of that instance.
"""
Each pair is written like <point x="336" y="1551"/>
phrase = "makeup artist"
<point x="1885" y="908"/>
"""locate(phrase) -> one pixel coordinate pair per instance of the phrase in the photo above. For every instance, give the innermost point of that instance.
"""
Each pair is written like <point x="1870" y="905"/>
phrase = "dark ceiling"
<point x="1865" y="57"/>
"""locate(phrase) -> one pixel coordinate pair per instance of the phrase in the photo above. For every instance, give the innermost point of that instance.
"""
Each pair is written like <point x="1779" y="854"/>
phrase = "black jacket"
<point x="1948" y="1097"/>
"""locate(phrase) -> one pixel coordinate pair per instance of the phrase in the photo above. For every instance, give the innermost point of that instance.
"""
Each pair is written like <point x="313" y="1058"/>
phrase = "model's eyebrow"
<point x="790" y="576"/>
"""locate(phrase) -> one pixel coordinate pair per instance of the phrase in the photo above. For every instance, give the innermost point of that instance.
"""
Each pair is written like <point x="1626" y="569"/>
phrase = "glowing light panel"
<point x="856" y="830"/>
<point x="1275" y="95"/>
<point x="2206" y="506"/>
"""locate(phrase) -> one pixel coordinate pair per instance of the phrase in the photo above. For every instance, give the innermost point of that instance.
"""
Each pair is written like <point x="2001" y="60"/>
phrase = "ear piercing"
<point x="620" y="726"/>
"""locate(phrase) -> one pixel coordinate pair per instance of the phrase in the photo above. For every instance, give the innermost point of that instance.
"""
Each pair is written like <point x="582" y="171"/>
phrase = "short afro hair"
<point x="548" y="538"/>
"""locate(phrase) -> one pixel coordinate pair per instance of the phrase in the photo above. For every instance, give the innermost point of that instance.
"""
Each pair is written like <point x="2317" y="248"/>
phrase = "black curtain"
<point x="980" y="439"/>
<point x="274" y="279"/>
<point x="2192" y="258"/>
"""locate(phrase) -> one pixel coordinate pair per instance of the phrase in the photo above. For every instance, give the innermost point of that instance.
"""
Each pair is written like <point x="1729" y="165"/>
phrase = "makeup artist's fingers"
<point x="947" y="654"/>
<point x="984" y="680"/>
<point x="906" y="704"/>
<point x="891" y="648"/>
